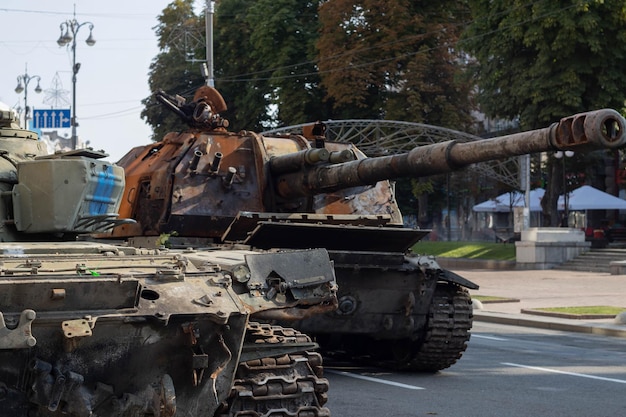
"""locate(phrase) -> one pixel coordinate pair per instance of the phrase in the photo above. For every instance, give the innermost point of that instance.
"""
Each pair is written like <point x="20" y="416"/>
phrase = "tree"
<point x="264" y="62"/>
<point x="239" y="75"/>
<point x="394" y="60"/>
<point x="283" y="37"/>
<point x="550" y="59"/>
<point x="267" y="61"/>
<point x="170" y="71"/>
<point x="268" y="55"/>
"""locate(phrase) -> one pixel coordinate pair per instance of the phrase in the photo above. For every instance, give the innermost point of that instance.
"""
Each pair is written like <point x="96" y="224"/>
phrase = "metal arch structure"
<point x="385" y="137"/>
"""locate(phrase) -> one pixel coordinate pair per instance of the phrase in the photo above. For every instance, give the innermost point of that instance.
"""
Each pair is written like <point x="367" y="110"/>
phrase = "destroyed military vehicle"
<point x="209" y="186"/>
<point x="91" y="329"/>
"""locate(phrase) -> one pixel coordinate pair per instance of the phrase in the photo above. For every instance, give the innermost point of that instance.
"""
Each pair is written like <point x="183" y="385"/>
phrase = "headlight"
<point x="241" y="273"/>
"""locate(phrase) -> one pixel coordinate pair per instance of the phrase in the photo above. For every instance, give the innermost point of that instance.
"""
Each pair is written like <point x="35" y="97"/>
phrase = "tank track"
<point x="447" y="331"/>
<point x="285" y="386"/>
<point x="442" y="342"/>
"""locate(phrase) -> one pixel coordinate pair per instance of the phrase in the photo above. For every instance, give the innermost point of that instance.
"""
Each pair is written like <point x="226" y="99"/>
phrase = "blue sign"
<point x="51" y="118"/>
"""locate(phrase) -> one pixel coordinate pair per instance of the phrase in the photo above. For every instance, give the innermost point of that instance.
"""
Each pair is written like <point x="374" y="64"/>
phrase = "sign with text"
<point x="51" y="118"/>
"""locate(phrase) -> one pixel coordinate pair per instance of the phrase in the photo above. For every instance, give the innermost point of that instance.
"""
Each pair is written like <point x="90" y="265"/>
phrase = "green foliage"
<point x="265" y="63"/>
<point x="169" y="70"/>
<point x="470" y="250"/>
<point x="239" y="74"/>
<point x="585" y="310"/>
<point x="547" y="60"/>
<point x="283" y="39"/>
<point x="404" y="197"/>
<point x="270" y="56"/>
<point x="394" y="60"/>
<point x="422" y="187"/>
<point x="489" y="299"/>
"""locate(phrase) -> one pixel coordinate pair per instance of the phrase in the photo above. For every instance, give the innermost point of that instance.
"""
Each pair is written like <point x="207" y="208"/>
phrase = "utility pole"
<point x="207" y="72"/>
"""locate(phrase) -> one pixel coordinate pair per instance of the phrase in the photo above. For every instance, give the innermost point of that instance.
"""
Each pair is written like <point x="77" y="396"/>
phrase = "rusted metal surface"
<point x="602" y="129"/>
<point x="103" y="310"/>
<point x="293" y="191"/>
<point x="98" y="329"/>
<point x="286" y="284"/>
<point x="172" y="332"/>
<point x="295" y="161"/>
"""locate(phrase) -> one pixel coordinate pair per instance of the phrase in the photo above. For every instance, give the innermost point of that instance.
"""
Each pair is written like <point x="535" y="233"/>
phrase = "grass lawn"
<point x="602" y="310"/>
<point x="493" y="299"/>
<point x="470" y="250"/>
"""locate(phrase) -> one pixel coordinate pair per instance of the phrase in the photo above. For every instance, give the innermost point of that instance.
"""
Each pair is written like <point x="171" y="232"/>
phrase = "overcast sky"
<point x="113" y="77"/>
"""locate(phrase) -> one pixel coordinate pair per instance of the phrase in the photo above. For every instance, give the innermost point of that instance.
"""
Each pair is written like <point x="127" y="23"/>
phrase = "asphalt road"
<point x="506" y="371"/>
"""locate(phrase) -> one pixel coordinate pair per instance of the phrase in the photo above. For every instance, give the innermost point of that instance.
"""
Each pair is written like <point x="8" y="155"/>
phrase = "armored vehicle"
<point x="209" y="186"/>
<point x="91" y="329"/>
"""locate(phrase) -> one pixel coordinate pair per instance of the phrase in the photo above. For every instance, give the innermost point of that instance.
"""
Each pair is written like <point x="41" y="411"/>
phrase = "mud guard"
<point x="457" y="279"/>
<point x="429" y="263"/>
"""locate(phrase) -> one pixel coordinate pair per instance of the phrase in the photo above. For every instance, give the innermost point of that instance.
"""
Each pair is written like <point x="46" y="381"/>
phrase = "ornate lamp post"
<point x="22" y="85"/>
<point x="69" y="30"/>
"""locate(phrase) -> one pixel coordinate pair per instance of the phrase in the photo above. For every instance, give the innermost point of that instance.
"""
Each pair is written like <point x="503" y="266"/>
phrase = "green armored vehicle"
<point x="92" y="329"/>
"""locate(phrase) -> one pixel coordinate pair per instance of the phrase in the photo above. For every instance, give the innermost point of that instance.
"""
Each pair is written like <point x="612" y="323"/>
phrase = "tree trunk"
<point x="554" y="187"/>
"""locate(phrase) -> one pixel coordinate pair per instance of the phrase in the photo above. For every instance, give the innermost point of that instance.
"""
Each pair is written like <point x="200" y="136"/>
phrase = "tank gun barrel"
<point x="601" y="129"/>
<point x="294" y="161"/>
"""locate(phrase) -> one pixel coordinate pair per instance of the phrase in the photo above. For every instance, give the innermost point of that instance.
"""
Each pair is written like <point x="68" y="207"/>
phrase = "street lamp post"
<point x="562" y="155"/>
<point x="22" y="85"/>
<point x="69" y="30"/>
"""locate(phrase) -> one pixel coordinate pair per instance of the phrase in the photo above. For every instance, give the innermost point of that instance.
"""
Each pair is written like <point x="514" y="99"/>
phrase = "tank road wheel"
<point x="285" y="386"/>
<point x="447" y="331"/>
<point x="442" y="342"/>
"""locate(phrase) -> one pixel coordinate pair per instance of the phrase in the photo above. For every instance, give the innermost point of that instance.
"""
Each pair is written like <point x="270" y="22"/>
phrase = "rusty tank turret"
<point x="91" y="329"/>
<point x="208" y="186"/>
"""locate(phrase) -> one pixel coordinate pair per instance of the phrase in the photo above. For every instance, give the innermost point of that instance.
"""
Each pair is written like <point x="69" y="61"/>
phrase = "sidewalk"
<point x="548" y="288"/>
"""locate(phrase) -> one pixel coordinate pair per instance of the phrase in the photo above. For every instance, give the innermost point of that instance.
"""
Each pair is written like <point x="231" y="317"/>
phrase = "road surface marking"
<point x="500" y="339"/>
<point x="369" y="378"/>
<point x="537" y="368"/>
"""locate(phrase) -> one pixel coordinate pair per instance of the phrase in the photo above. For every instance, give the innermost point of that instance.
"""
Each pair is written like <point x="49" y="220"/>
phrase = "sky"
<point x="113" y="76"/>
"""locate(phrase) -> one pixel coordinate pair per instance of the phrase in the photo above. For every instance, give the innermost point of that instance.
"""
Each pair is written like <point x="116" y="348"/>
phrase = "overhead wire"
<point x="238" y="77"/>
<point x="45" y="44"/>
<point x="115" y="114"/>
<point x="235" y="78"/>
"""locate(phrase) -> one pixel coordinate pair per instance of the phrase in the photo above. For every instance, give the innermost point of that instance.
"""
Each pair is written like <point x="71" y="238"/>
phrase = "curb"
<point x="605" y="329"/>
<point x="464" y="263"/>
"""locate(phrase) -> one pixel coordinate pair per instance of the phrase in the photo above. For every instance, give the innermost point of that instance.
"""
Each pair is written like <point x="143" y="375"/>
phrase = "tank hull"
<point x="89" y="329"/>
<point x="386" y="298"/>
<point x="208" y="186"/>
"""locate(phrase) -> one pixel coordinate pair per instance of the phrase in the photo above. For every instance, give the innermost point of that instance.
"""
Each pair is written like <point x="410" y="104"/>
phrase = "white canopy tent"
<point x="589" y="198"/>
<point x="580" y="200"/>
<point x="504" y="202"/>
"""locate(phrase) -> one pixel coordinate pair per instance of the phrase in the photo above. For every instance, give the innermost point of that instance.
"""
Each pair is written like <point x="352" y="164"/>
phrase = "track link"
<point x="284" y="386"/>
<point x="448" y="330"/>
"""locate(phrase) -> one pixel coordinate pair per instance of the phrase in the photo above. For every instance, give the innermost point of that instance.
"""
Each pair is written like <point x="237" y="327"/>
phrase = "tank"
<point x="92" y="328"/>
<point x="209" y="186"/>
